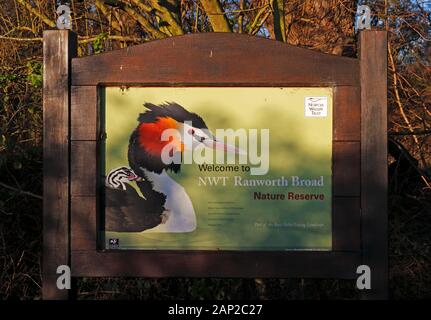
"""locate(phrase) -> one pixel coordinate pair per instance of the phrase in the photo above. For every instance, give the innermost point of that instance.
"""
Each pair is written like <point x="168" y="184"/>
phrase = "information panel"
<point x="217" y="168"/>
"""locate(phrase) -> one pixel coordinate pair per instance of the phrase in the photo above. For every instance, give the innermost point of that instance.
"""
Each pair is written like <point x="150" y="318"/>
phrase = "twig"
<point x="34" y="281"/>
<point x="27" y="193"/>
<point x="417" y="31"/>
<point x="21" y="39"/>
<point x="423" y="132"/>
<point x="238" y="11"/>
<point x="257" y="27"/>
<point x="156" y="33"/>
<point x="37" y="13"/>
<point x="81" y="39"/>
<point x="251" y="27"/>
<point x="397" y="95"/>
<point x="112" y="37"/>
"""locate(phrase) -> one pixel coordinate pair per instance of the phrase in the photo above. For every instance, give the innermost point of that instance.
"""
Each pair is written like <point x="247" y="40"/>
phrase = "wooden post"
<point x="373" y="69"/>
<point x="59" y="47"/>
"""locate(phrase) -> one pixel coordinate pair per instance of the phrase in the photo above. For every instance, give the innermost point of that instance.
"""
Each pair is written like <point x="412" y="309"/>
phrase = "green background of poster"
<point x="299" y="146"/>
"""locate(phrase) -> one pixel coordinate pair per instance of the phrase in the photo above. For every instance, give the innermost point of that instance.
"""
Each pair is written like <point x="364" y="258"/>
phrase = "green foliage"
<point x="98" y="43"/>
<point x="4" y="78"/>
<point x="7" y="78"/>
<point x="34" y="73"/>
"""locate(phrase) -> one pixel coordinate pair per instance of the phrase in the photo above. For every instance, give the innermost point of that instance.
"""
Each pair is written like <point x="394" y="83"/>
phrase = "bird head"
<point x="147" y="142"/>
<point x="117" y="177"/>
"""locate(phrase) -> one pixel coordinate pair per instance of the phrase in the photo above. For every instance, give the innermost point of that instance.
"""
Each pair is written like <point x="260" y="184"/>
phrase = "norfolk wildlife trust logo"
<point x="188" y="144"/>
<point x="316" y="107"/>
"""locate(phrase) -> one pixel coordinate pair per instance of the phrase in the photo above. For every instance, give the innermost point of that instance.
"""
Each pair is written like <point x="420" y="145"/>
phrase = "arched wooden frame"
<point x="214" y="59"/>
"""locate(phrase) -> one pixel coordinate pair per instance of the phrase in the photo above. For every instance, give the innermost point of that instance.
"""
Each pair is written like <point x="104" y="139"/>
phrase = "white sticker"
<point x="316" y="106"/>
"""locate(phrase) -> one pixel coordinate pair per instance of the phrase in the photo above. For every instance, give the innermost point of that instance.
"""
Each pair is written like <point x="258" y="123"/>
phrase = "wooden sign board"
<point x="326" y="117"/>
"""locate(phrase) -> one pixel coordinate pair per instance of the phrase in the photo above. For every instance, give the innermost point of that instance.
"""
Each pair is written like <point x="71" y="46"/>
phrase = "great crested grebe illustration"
<point x="164" y="205"/>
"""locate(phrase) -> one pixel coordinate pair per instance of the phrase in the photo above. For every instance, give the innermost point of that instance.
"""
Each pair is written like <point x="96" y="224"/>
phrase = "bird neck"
<point x="161" y="182"/>
<point x="176" y="196"/>
<point x="181" y="214"/>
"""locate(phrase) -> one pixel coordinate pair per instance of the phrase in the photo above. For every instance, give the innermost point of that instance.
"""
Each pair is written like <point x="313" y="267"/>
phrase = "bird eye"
<point x="191" y="131"/>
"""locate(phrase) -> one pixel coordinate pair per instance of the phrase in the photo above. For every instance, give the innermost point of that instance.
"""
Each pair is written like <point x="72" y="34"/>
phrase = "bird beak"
<point x="205" y="137"/>
<point x="218" y="145"/>
<point x="134" y="177"/>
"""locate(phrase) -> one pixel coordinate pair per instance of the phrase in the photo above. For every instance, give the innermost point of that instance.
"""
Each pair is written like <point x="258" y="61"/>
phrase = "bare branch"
<point x="167" y="14"/>
<point x="156" y="33"/>
<point x="279" y="25"/>
<point x="417" y="133"/>
<point x="37" y="13"/>
<point x="81" y="39"/>
<point x="100" y="4"/>
<point x="397" y="94"/>
<point x="215" y="14"/>
<point x="27" y="193"/>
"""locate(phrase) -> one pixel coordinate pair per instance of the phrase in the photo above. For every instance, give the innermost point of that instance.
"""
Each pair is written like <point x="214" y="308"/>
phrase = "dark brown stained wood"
<point x="84" y="223"/>
<point x="347" y="113"/>
<point x="83" y="168"/>
<point x="58" y="49"/>
<point x="346" y="171"/>
<point x="215" y="58"/>
<point x="84" y="108"/>
<point x="318" y="264"/>
<point x="346" y="225"/>
<point x="373" y="60"/>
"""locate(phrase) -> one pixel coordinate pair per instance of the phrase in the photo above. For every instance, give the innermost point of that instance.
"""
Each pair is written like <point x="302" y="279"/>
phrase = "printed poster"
<point x="213" y="168"/>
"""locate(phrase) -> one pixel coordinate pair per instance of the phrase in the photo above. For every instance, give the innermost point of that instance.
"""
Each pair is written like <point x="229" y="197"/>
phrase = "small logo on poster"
<point x="114" y="243"/>
<point x="316" y="107"/>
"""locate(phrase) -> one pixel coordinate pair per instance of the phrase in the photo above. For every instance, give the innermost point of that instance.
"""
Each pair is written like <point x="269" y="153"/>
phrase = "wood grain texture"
<point x="58" y="49"/>
<point x="215" y="264"/>
<point x="84" y="110"/>
<point x="84" y="223"/>
<point x="346" y="172"/>
<point x="84" y="168"/>
<point x="347" y="113"/>
<point x="373" y="61"/>
<point x="216" y="59"/>
<point x="346" y="224"/>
